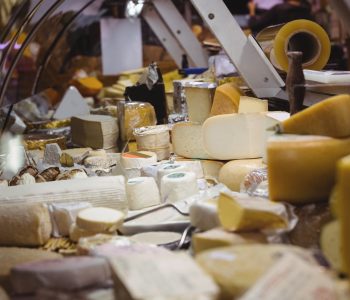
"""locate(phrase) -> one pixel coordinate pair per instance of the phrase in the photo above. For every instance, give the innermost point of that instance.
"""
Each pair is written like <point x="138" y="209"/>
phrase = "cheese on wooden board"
<point x="240" y="212"/>
<point x="328" y="117"/>
<point x="331" y="245"/>
<point x="142" y="192"/>
<point x="68" y="274"/>
<point x="226" y="99"/>
<point x="302" y="169"/>
<point x="100" y="219"/>
<point x="218" y="237"/>
<point x="252" y="105"/>
<point x="137" y="160"/>
<point x="236" y="136"/>
<point x="170" y="276"/>
<point x="187" y="140"/>
<point x="237" y="268"/>
<point x="24" y="225"/>
<point x="232" y="174"/>
<point x="11" y="256"/>
<point x="343" y="204"/>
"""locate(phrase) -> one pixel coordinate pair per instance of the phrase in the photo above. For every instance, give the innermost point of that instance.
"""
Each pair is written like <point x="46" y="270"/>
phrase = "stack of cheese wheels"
<point x="91" y="221"/>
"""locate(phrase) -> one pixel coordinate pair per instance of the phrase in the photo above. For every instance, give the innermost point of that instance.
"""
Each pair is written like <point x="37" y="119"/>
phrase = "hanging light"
<point x="134" y="8"/>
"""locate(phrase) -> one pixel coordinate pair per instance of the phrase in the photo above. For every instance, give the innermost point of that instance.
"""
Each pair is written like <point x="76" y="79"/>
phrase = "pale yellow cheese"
<point x="76" y="233"/>
<point x="243" y="213"/>
<point x="226" y="99"/>
<point x="329" y="117"/>
<point x="211" y="168"/>
<point x="301" y="169"/>
<point x="218" y="237"/>
<point x="232" y="174"/>
<point x="252" y="105"/>
<point x="343" y="204"/>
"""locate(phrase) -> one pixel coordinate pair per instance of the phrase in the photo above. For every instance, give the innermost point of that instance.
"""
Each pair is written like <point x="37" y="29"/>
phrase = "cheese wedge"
<point x="236" y="136"/>
<point x="245" y="213"/>
<point x="301" y="169"/>
<point x="252" y="105"/>
<point x="187" y="140"/>
<point x="100" y="219"/>
<point x="232" y="174"/>
<point x="226" y="99"/>
<point x="218" y="237"/>
<point x="329" y="117"/>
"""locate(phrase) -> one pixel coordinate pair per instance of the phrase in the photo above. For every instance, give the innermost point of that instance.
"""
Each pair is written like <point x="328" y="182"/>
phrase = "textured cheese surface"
<point x="236" y="136"/>
<point x="235" y="269"/>
<point x="329" y="117"/>
<point x="226" y="99"/>
<point x="24" y="225"/>
<point x="302" y="169"/>
<point x="100" y="219"/>
<point x="218" y="237"/>
<point x="252" y="105"/>
<point x="232" y="174"/>
<point x="211" y="168"/>
<point x="187" y="140"/>
<point x="142" y="192"/>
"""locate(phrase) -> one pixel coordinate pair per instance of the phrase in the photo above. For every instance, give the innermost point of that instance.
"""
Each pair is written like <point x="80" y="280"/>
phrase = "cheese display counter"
<point x="109" y="190"/>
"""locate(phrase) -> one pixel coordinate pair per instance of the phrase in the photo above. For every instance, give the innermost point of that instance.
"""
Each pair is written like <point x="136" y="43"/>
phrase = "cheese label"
<point x="176" y="175"/>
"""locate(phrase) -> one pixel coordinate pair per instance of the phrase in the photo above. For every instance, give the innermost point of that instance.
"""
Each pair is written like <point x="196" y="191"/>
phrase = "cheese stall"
<point x="145" y="157"/>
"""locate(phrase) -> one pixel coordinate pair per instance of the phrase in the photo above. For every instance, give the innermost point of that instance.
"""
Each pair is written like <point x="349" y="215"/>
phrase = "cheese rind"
<point x="301" y="169"/>
<point x="226" y="99"/>
<point x="329" y="117"/>
<point x="232" y="174"/>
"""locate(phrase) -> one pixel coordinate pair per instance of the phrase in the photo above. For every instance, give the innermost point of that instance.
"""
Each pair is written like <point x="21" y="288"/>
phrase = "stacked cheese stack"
<point x="95" y="131"/>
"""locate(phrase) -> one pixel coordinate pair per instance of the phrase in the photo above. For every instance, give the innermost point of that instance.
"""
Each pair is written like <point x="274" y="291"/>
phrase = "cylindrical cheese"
<point x="24" y="225"/>
<point x="76" y="233"/>
<point x="177" y="186"/>
<point x="169" y="168"/>
<point x="139" y="159"/>
<point x="142" y="192"/>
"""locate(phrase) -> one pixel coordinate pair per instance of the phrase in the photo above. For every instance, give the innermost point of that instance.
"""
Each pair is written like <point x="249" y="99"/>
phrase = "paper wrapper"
<point x="32" y="142"/>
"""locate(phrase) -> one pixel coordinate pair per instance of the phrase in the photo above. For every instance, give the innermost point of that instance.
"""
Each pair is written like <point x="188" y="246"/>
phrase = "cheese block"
<point x="169" y="276"/>
<point x="78" y="154"/>
<point x="343" y="204"/>
<point x="199" y="99"/>
<point x="218" y="237"/>
<point x="142" y="192"/>
<point x="240" y="212"/>
<point x="24" y="225"/>
<point x="204" y="214"/>
<point x="76" y="233"/>
<point x="226" y="99"/>
<point x="252" y="105"/>
<point x="331" y="245"/>
<point x="11" y="256"/>
<point x="66" y="160"/>
<point x="137" y="160"/>
<point x="236" y="136"/>
<point x="232" y="174"/>
<point x="211" y="169"/>
<point x="328" y="117"/>
<point x="95" y="131"/>
<point x="187" y="140"/>
<point x="301" y="169"/>
<point x="237" y="268"/>
<point x="100" y="219"/>
<point x="60" y="274"/>
<point x="88" y="86"/>
<point x="168" y="168"/>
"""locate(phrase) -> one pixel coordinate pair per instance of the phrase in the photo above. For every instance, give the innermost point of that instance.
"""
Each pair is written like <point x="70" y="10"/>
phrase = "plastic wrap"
<point x="256" y="184"/>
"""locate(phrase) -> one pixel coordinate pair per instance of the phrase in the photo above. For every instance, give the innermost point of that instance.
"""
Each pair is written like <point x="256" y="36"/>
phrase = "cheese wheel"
<point x="301" y="169"/>
<point x="137" y="160"/>
<point x="76" y="233"/>
<point x="142" y="192"/>
<point x="100" y="219"/>
<point x="226" y="99"/>
<point x="252" y="105"/>
<point x="178" y="186"/>
<point x="232" y="174"/>
<point x="329" y="117"/>
<point x="236" y="136"/>
<point x="187" y="140"/>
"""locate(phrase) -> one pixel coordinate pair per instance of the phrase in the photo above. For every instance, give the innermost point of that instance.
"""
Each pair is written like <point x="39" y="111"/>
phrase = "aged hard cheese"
<point x="100" y="219"/>
<point x="301" y="169"/>
<point x="187" y="140"/>
<point x="218" y="237"/>
<point x="235" y="269"/>
<point x="252" y="105"/>
<point x="232" y="174"/>
<point x="329" y="117"/>
<point x="236" y="136"/>
<point x="240" y="212"/>
<point x="24" y="225"/>
<point x="226" y="99"/>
